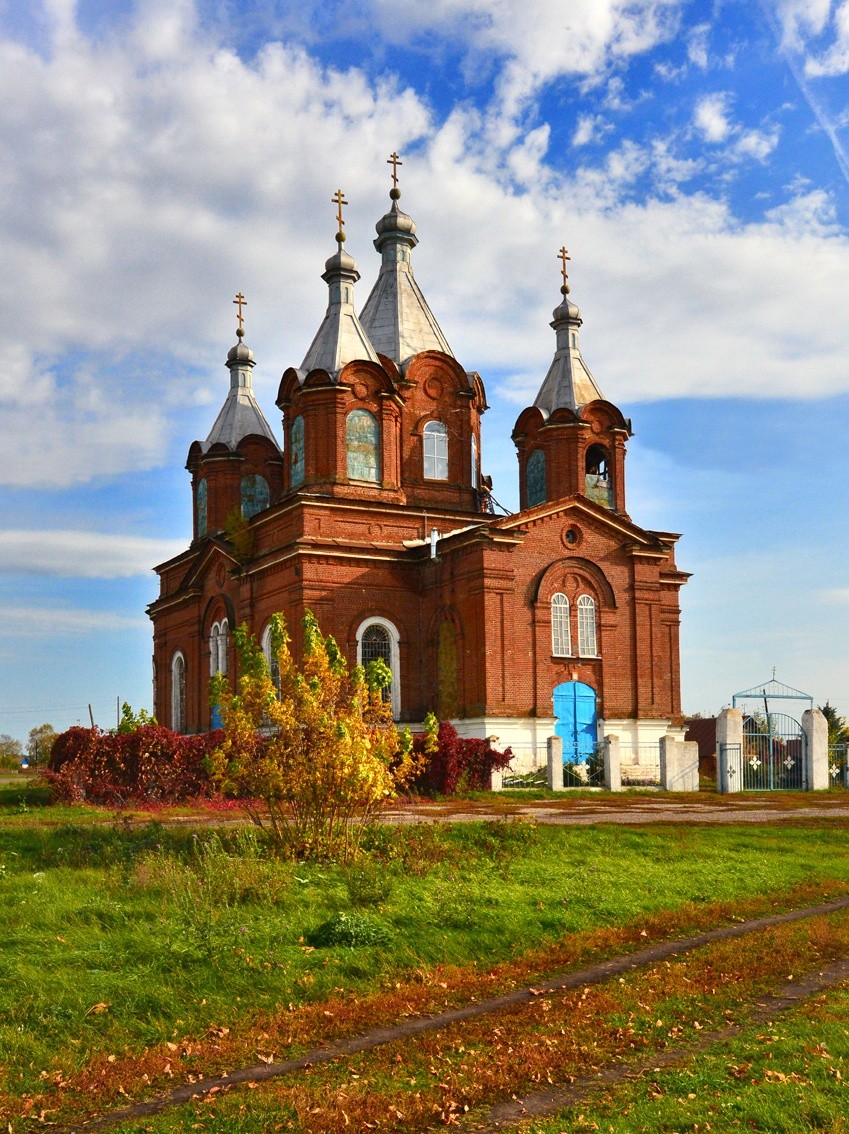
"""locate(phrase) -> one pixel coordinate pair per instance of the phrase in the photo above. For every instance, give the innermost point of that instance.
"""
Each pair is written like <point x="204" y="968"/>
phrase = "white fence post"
<point x="679" y="764"/>
<point x="612" y="764"/>
<point x="815" y="728"/>
<point x="555" y="763"/>
<point x="496" y="780"/>
<point x="729" y="736"/>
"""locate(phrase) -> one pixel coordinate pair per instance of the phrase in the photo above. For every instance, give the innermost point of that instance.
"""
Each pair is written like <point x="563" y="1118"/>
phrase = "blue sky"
<point x="157" y="156"/>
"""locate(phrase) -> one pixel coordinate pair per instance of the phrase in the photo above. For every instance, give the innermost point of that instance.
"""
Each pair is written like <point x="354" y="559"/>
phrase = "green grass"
<point x="117" y="936"/>
<point x="786" y="1077"/>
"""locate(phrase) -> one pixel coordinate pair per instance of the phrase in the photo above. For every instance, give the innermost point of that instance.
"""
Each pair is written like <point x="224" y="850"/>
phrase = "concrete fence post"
<point x="729" y="750"/>
<point x="815" y="728"/>
<point x="555" y="763"/>
<point x="612" y="764"/>
<point x="679" y="764"/>
<point x="496" y="780"/>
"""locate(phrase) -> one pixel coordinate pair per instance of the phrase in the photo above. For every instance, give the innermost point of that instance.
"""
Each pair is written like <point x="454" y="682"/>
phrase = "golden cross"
<point x="394" y="161"/>
<point x="338" y="199"/>
<point x="240" y="302"/>
<point x="563" y="256"/>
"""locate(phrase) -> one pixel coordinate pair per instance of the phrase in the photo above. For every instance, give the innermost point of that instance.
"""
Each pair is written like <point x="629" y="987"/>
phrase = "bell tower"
<point x="237" y="469"/>
<point x="571" y="441"/>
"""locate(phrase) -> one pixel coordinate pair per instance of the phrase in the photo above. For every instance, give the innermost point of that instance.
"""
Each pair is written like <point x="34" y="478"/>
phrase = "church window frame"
<point x="273" y="664"/>
<point x="202" y="508"/>
<point x="394" y="661"/>
<point x="297" y="453"/>
<point x="535" y="479"/>
<point x="435" y="450"/>
<point x="475" y="468"/>
<point x="219" y="634"/>
<point x="587" y="629"/>
<point x="178" y="692"/>
<point x="254" y="494"/>
<point x="561" y="633"/>
<point x="362" y="446"/>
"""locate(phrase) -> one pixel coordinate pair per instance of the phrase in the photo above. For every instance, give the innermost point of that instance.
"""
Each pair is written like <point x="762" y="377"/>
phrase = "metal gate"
<point x="773" y="756"/>
<point x="838" y="765"/>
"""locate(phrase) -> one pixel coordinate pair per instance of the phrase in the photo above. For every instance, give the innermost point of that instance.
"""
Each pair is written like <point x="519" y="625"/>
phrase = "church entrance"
<point x="577" y="721"/>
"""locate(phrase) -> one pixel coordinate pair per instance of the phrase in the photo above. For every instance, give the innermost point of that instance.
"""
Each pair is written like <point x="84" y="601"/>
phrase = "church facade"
<point x="374" y="514"/>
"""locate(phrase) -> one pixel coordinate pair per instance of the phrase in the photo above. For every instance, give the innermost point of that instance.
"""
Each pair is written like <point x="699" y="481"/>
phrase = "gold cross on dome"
<point x="338" y="199"/>
<point x="564" y="256"/>
<point x="394" y="161"/>
<point x="240" y="302"/>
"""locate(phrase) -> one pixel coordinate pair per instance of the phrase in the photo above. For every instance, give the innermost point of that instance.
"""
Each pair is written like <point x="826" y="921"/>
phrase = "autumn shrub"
<point x="150" y="764"/>
<point x="455" y="763"/>
<point x="314" y="755"/>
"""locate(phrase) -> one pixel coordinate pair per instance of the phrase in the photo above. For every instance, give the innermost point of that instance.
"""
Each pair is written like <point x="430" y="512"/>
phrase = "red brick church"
<point x="374" y="514"/>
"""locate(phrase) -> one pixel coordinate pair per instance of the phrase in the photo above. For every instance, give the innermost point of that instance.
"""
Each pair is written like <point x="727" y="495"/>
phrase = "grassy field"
<point x="126" y="939"/>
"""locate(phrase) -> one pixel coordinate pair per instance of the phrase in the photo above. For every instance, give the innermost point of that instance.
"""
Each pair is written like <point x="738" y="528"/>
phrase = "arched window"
<point x="178" y="693"/>
<point x="378" y="638"/>
<point x="296" y="456"/>
<point x="218" y="647"/>
<point x="474" y="463"/>
<point x="362" y="440"/>
<point x="271" y="658"/>
<point x="561" y="638"/>
<point x="597" y="482"/>
<point x="200" y="507"/>
<point x="255" y="495"/>
<point x="535" y="478"/>
<point x="435" y="437"/>
<point x="586" y="627"/>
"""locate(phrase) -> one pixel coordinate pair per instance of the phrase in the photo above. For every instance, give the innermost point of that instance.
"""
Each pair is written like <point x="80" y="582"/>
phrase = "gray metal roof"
<point x="240" y="416"/>
<point x="568" y="382"/>
<point x="396" y="316"/>
<point x="340" y="339"/>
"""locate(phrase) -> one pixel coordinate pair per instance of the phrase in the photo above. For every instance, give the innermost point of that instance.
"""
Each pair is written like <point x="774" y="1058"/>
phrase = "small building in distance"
<point x="375" y="515"/>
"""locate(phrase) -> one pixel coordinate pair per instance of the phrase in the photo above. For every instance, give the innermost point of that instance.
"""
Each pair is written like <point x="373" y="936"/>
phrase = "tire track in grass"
<point x="377" y="1037"/>
<point x="546" y="1104"/>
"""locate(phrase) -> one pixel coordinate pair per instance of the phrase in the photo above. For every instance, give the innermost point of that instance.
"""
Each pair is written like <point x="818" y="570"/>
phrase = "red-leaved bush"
<point x="152" y="764"/>
<point x="459" y="763"/>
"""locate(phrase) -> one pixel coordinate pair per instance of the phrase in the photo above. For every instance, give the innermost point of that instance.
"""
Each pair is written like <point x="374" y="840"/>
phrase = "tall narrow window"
<point x="255" y="495"/>
<point x="474" y="463"/>
<point x="586" y="627"/>
<point x="178" y="693"/>
<point x="271" y="658"/>
<point x="218" y="647"/>
<point x="561" y="638"/>
<point x="200" y="507"/>
<point x="378" y="638"/>
<point x="435" y="451"/>
<point x="296" y="458"/>
<point x="362" y="439"/>
<point x="535" y="478"/>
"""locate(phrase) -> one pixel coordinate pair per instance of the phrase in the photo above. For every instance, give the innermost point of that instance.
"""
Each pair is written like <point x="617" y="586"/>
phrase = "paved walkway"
<point x="649" y="807"/>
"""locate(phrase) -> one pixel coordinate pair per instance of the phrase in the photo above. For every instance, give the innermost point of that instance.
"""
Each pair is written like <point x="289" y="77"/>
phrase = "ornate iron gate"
<point x="773" y="757"/>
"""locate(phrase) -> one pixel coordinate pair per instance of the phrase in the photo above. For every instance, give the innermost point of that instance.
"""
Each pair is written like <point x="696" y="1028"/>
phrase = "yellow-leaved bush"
<point x="314" y="754"/>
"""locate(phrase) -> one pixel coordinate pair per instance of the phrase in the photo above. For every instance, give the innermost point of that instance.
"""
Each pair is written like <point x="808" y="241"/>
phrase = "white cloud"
<point x="589" y="128"/>
<point x="757" y="144"/>
<point x="40" y="622"/>
<point x="711" y="117"/>
<point x="835" y="60"/>
<point x="799" y="19"/>
<point x="697" y="45"/>
<point x="76" y="554"/>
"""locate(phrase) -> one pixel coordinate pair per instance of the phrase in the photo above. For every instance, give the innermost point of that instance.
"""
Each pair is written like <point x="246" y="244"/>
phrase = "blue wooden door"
<point x="577" y="722"/>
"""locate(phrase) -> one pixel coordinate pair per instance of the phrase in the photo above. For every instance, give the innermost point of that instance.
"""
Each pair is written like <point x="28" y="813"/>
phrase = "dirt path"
<point x="593" y="974"/>
<point x="542" y="1104"/>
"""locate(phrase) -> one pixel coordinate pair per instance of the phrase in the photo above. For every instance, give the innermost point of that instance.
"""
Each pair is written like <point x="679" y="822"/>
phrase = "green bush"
<point x="368" y="884"/>
<point x="352" y="929"/>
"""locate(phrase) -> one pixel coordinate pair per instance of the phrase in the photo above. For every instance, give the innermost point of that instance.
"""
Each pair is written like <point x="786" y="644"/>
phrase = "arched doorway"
<point x="577" y="720"/>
